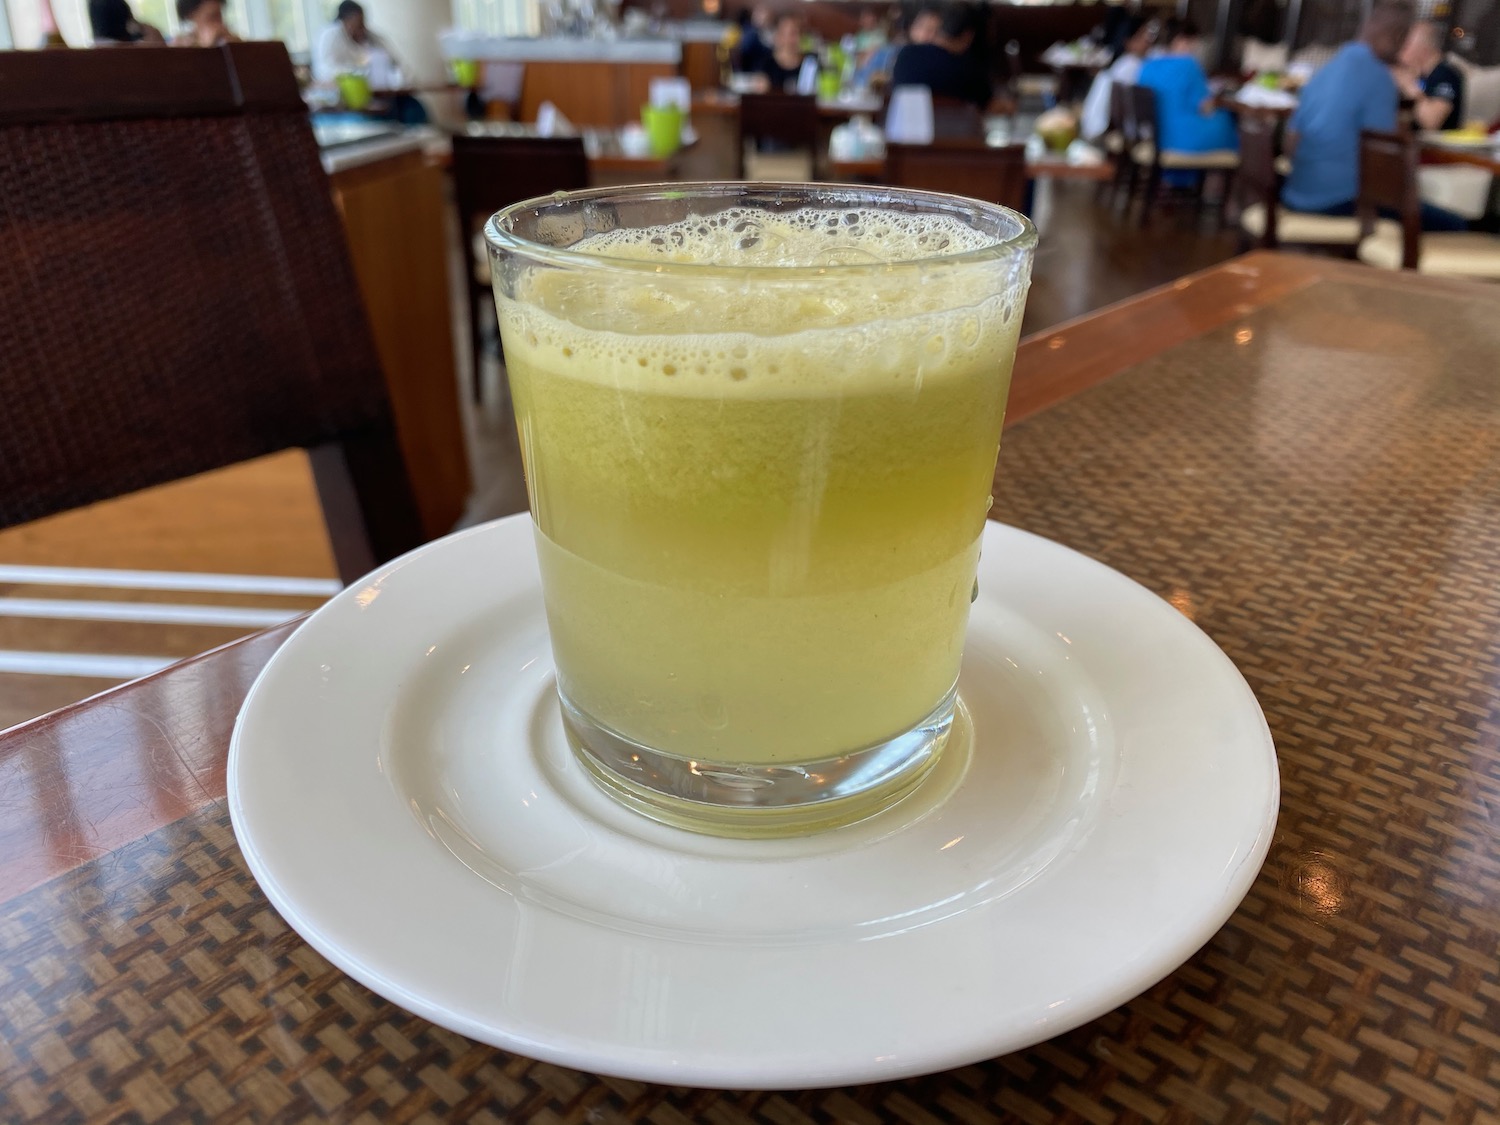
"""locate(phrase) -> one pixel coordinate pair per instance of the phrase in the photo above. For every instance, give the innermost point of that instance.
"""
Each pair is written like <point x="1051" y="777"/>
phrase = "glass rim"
<point x="504" y="240"/>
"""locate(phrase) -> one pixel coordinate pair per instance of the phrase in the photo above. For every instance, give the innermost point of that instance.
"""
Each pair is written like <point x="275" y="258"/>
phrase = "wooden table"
<point x="1435" y="152"/>
<point x="601" y="148"/>
<point x="873" y="170"/>
<point x="1245" y="109"/>
<point x="727" y="103"/>
<point x="1302" y="455"/>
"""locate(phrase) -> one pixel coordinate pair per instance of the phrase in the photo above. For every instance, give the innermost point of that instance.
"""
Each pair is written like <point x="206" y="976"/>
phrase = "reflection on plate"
<point x="401" y="788"/>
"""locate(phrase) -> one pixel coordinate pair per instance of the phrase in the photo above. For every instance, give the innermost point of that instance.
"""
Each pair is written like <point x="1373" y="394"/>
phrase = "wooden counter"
<point x="591" y="93"/>
<point x="592" y="82"/>
<point x="394" y="214"/>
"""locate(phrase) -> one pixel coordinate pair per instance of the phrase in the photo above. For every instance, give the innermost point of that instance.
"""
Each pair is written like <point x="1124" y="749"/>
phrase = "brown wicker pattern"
<point x="178" y="294"/>
<point x="1319" y="487"/>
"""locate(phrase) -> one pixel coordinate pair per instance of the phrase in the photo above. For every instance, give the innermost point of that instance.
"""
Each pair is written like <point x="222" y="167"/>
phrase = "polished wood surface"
<point x="590" y="93"/>
<point x="131" y="355"/>
<point x="1296" y="453"/>
<point x="700" y="65"/>
<point x="876" y="170"/>
<point x="112" y="768"/>
<point x="257" y="517"/>
<point x="393" y="212"/>
<point x="260" y="518"/>
<point x="1486" y="158"/>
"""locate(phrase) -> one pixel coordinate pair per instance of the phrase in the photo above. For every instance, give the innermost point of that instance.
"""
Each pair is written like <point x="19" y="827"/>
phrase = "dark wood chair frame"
<point x="490" y="173"/>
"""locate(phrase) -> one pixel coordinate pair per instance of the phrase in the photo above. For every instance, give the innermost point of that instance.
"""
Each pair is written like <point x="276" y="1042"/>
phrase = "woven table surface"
<point x="1316" y="484"/>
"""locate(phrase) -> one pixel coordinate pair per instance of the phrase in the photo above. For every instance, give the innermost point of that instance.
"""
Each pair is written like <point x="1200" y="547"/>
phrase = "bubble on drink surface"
<point x="750" y="237"/>
<point x="686" y="332"/>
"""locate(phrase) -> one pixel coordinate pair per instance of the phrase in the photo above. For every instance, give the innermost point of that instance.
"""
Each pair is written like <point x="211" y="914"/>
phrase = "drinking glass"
<point x="759" y="425"/>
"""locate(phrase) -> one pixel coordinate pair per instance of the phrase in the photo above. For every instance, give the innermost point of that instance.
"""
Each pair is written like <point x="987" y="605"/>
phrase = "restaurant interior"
<point x="250" y="356"/>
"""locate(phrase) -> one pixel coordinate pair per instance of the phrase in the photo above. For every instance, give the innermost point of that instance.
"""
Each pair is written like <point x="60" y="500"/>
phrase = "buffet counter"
<point x="596" y="82"/>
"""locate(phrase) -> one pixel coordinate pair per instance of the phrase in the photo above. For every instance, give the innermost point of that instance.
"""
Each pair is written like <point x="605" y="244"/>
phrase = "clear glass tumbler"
<point x="759" y="425"/>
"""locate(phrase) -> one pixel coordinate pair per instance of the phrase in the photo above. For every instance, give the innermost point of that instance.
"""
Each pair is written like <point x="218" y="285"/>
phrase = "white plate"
<point x="400" y="786"/>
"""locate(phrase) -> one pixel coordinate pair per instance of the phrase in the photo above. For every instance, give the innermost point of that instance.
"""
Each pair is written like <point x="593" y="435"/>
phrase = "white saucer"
<point x="400" y="786"/>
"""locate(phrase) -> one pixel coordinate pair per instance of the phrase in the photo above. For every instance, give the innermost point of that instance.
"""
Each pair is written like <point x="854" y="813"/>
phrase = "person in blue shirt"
<point x="1185" y="117"/>
<point x="1353" y="91"/>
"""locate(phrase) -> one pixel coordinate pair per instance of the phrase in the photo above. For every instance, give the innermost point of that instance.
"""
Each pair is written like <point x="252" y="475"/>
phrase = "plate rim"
<point x="632" y="1062"/>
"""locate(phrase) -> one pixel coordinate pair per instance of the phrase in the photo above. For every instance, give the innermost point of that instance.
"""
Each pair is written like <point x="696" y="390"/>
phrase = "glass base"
<point x="752" y="801"/>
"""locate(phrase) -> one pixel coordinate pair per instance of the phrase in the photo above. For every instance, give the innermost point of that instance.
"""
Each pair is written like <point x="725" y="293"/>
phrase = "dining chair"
<point x="1118" y="141"/>
<point x="1388" y="183"/>
<point x="790" y="123"/>
<point x="972" y="168"/>
<point x="954" y="119"/>
<point x="1147" y="152"/>
<point x="492" y="170"/>
<point x="180" y="296"/>
<point x="1265" y="223"/>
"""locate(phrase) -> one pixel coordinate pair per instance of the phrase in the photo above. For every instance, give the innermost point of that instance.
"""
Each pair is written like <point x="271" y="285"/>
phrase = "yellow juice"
<point x="759" y="506"/>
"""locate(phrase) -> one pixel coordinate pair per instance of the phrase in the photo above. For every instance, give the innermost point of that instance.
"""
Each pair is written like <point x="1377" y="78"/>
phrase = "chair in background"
<point x="790" y="123"/>
<point x="1388" y="182"/>
<point x="1148" y="154"/>
<point x="180" y="296"/>
<point x="956" y="120"/>
<point x="1118" y="142"/>
<point x="492" y="170"/>
<point x="972" y="168"/>
<point x="1264" y="222"/>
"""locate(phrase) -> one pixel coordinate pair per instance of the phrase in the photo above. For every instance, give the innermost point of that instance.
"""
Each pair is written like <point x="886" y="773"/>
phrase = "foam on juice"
<point x="671" y="334"/>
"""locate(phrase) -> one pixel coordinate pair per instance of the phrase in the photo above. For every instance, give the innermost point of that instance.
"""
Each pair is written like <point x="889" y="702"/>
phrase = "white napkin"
<point x="909" y="120"/>
<point x="551" y="122"/>
<point x="672" y="91"/>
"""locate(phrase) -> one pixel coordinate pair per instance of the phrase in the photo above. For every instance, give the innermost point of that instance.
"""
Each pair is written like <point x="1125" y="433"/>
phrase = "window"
<point x="295" y="22"/>
<point x="499" y="17"/>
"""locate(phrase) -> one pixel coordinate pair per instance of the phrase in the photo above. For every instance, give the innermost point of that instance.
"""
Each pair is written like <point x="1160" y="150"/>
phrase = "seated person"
<point x="871" y="34"/>
<point x="948" y="66"/>
<point x="754" y="46"/>
<point x="350" y="47"/>
<point x="1125" y="71"/>
<point x="1434" y="86"/>
<point x="876" y="68"/>
<point x="205" y="24"/>
<point x="783" y="63"/>
<point x="1186" y="119"/>
<point x="1352" y="92"/>
<point x="113" y="23"/>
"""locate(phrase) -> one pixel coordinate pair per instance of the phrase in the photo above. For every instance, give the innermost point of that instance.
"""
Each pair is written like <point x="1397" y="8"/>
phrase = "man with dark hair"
<point x="204" y="26"/>
<point x="347" y="46"/>
<point x="112" y="22"/>
<point x="1354" y="91"/>
<point x="947" y="66"/>
<point x="1434" y="85"/>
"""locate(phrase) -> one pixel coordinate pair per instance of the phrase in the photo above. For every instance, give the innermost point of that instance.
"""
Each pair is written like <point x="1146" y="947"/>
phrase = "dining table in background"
<point x="603" y="148"/>
<point x="1301" y="455"/>
<point x="840" y="108"/>
<point x="872" y="169"/>
<point x="1436" y="150"/>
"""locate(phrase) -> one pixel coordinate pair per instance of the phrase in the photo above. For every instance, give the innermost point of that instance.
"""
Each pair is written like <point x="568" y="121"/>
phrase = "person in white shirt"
<point x="348" y="46"/>
<point x="1094" y="121"/>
